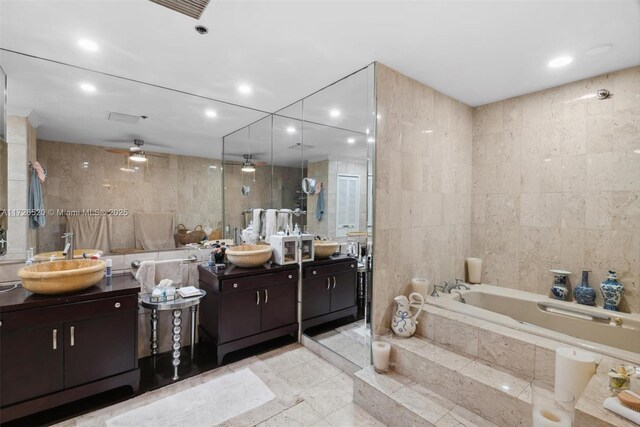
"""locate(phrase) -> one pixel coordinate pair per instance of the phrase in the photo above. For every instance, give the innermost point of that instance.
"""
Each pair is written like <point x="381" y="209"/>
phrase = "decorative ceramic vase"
<point x="559" y="288"/>
<point x="585" y="294"/>
<point x="612" y="291"/>
<point x="404" y="323"/>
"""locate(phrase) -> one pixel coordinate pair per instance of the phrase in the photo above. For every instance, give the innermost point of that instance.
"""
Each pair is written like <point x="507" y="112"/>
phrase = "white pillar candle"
<point x="574" y="369"/>
<point x="550" y="417"/>
<point x="474" y="268"/>
<point x="420" y="286"/>
<point x="381" y="352"/>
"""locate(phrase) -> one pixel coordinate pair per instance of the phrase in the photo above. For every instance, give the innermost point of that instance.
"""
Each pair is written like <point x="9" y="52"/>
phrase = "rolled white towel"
<point x="614" y="405"/>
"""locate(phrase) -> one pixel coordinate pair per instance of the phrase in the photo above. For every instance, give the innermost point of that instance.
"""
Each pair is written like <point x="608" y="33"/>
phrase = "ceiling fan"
<point x="248" y="164"/>
<point x="135" y="152"/>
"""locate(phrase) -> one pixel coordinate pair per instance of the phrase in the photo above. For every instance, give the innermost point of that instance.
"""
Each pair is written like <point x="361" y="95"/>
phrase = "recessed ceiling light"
<point x="244" y="89"/>
<point x="599" y="49"/>
<point x="560" y="61"/>
<point x="211" y="113"/>
<point x="87" y="87"/>
<point x="334" y="113"/>
<point x="291" y="129"/>
<point x="88" y="45"/>
<point x="351" y="140"/>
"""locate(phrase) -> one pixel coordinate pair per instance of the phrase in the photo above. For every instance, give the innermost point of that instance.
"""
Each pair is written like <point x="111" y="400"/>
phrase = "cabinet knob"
<point x="314" y="272"/>
<point x="291" y="276"/>
<point x="235" y="285"/>
<point x="351" y="265"/>
<point x="116" y="305"/>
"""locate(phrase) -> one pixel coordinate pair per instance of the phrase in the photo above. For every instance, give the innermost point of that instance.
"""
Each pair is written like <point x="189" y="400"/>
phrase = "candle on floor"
<point x="474" y="269"/>
<point x="420" y="286"/>
<point x="381" y="352"/>
<point x="574" y="369"/>
<point x="550" y="417"/>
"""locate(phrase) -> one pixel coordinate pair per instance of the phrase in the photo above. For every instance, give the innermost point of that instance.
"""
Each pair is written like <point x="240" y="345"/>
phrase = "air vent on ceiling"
<point x="299" y="146"/>
<point x="192" y="8"/>
<point x="124" y="118"/>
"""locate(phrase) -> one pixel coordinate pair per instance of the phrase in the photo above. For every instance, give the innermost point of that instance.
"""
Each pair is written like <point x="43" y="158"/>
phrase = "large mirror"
<point x="310" y="164"/>
<point x="121" y="164"/>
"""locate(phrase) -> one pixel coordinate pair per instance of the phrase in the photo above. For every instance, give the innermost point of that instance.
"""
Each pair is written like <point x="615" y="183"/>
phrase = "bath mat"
<point x="206" y="404"/>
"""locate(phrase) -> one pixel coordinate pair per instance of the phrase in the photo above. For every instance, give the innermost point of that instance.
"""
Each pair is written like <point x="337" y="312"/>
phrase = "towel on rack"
<point x="285" y="218"/>
<point x="36" y="204"/>
<point x="42" y="173"/>
<point x="171" y="269"/>
<point x="320" y="204"/>
<point x="146" y="276"/>
<point x="90" y="232"/>
<point x="271" y="224"/>
<point x="257" y="224"/>
<point x="154" y="231"/>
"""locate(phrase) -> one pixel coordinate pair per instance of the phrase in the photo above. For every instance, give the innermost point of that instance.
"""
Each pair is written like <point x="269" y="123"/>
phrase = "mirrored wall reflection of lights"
<point x="291" y="129"/>
<point x="351" y="140"/>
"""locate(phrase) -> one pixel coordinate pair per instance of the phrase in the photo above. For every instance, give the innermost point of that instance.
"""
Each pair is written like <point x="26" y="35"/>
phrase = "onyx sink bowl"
<point x="249" y="255"/>
<point x="62" y="277"/>
<point x="324" y="248"/>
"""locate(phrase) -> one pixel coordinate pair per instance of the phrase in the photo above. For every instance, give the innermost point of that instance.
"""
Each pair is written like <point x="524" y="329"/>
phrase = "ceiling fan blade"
<point x="162" y="156"/>
<point x="118" y="151"/>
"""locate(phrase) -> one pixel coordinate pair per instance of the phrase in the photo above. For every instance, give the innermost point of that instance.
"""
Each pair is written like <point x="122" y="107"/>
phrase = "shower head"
<point x="603" y="93"/>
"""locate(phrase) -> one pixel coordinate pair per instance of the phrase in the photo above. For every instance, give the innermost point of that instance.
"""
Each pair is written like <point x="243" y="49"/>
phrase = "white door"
<point x="347" y="204"/>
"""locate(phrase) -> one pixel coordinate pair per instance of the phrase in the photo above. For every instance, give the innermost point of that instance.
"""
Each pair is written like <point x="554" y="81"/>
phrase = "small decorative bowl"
<point x="620" y="376"/>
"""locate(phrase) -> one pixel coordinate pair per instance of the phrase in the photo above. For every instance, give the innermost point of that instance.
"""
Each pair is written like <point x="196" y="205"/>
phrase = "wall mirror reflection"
<point x="119" y="163"/>
<point x="3" y="162"/>
<point x="309" y="170"/>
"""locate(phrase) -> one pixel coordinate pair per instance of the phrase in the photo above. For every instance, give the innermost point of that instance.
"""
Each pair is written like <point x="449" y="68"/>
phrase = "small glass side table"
<point x="176" y="307"/>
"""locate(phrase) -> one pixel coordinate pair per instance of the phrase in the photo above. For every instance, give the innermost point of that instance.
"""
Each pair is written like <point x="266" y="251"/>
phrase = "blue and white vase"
<point x="612" y="291"/>
<point x="559" y="288"/>
<point x="585" y="294"/>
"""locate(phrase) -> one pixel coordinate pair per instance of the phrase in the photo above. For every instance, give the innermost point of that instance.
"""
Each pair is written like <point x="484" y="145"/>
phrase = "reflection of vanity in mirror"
<point x="3" y="163"/>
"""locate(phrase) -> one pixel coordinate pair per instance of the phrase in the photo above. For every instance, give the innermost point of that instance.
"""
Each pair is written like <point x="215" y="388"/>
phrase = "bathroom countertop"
<point x="232" y="271"/>
<point x="21" y="299"/>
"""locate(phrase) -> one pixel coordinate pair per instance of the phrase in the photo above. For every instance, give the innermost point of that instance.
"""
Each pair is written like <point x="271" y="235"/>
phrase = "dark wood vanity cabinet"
<point x="246" y="306"/>
<point x="328" y="290"/>
<point x="57" y="349"/>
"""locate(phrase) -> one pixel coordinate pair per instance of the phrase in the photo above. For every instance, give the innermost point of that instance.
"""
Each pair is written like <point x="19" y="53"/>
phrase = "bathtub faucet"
<point x="461" y="298"/>
<point x="442" y="287"/>
<point x="459" y="284"/>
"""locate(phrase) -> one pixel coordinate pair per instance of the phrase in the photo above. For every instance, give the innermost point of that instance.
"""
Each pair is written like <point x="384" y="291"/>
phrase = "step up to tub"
<point x="491" y="392"/>
<point x="397" y="401"/>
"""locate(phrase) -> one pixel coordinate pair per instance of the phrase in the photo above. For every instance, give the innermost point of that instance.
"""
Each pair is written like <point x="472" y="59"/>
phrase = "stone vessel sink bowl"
<point x="61" y="277"/>
<point x="249" y="255"/>
<point x="77" y="254"/>
<point x="323" y="248"/>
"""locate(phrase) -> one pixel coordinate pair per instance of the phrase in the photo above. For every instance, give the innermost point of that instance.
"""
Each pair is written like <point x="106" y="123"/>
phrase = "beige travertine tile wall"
<point x="556" y="184"/>
<point x="326" y="172"/>
<point x="184" y="185"/>
<point x="423" y="188"/>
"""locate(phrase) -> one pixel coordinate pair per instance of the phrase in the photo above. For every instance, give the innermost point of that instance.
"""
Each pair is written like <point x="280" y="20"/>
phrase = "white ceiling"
<point x="476" y="51"/>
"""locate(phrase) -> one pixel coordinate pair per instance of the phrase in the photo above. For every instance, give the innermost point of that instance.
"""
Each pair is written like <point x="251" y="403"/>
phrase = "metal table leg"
<point x="177" y="329"/>
<point x="154" y="332"/>
<point x="193" y="310"/>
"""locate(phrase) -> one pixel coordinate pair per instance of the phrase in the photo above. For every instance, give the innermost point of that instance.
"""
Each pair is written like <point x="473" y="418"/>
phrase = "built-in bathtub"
<point x="606" y="332"/>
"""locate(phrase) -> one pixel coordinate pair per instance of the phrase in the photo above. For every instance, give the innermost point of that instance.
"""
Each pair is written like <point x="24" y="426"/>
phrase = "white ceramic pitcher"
<point x="404" y="322"/>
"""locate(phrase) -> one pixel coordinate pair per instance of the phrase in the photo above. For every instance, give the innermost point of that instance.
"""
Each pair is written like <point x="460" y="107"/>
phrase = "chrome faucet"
<point x="68" y="245"/>
<point x="442" y="287"/>
<point x="462" y="300"/>
<point x="459" y="284"/>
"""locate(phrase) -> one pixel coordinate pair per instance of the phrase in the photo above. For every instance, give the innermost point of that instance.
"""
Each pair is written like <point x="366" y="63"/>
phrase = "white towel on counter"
<point x="257" y="224"/>
<point x="170" y="269"/>
<point x="146" y="276"/>
<point x="271" y="224"/>
<point x="285" y="218"/>
<point x="614" y="405"/>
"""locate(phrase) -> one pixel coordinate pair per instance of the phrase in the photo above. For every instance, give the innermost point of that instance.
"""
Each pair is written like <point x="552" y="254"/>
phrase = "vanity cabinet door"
<point x="343" y="290"/>
<point x="30" y="362"/>
<point x="240" y="314"/>
<point x="279" y="305"/>
<point x="316" y="296"/>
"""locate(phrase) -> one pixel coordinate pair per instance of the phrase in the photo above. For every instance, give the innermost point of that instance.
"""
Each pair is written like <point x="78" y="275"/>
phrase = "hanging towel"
<point x="271" y="224"/>
<point x="91" y="232"/>
<point x="171" y="269"/>
<point x="146" y="276"/>
<point x="37" y="218"/>
<point x="42" y="173"/>
<point x="320" y="204"/>
<point x="285" y="218"/>
<point x="257" y="224"/>
<point x="154" y="231"/>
